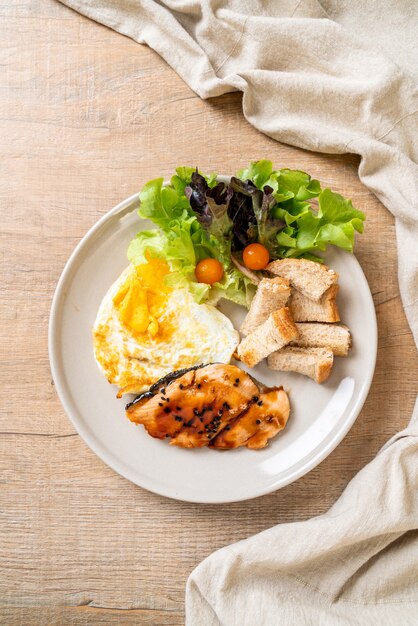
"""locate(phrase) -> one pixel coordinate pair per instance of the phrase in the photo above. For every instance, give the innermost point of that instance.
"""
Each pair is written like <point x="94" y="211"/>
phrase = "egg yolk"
<point x="141" y="299"/>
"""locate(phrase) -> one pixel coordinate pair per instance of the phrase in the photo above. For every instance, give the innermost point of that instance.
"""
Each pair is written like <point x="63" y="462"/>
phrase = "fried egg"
<point x="145" y="330"/>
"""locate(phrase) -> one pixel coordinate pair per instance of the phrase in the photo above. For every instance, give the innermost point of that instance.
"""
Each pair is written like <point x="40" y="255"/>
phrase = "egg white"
<point x="199" y="333"/>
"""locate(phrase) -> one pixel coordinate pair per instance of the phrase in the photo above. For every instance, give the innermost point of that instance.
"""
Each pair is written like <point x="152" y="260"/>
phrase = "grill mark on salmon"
<point x="258" y="424"/>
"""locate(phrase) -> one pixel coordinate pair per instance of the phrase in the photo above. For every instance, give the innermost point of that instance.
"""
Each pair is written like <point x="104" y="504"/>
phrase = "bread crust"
<point x="335" y="337"/>
<point x="271" y="295"/>
<point x="277" y="331"/>
<point x="306" y="310"/>
<point x="310" y="278"/>
<point x="316" y="363"/>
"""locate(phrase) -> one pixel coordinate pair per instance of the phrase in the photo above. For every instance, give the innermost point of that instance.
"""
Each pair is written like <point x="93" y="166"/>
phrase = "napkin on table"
<point x="333" y="76"/>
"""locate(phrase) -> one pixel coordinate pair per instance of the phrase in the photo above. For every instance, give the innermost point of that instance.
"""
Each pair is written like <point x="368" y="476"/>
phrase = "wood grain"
<point x="86" y="117"/>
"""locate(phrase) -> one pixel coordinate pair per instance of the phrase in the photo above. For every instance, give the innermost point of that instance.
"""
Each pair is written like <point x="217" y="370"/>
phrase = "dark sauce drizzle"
<point x="162" y="383"/>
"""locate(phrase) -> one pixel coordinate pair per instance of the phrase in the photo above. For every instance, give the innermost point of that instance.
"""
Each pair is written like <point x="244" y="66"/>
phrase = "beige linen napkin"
<point x="333" y="76"/>
<point x="357" y="564"/>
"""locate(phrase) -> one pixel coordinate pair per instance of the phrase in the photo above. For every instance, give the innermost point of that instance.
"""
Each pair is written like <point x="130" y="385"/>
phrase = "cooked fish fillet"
<point x="313" y="362"/>
<point x="192" y="407"/>
<point x="277" y="331"/>
<point x="304" y="309"/>
<point x="271" y="295"/>
<point x="310" y="278"/>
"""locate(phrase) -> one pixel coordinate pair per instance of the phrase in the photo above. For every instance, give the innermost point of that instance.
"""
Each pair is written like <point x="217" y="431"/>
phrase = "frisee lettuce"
<point x="198" y="217"/>
<point x="306" y="229"/>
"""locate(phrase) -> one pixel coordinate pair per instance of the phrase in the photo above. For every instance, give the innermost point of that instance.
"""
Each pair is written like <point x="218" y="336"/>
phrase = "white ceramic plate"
<point x="321" y="414"/>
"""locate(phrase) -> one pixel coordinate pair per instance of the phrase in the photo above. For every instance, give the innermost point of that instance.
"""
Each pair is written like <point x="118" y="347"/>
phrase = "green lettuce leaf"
<point x="335" y="209"/>
<point x="161" y="204"/>
<point x="153" y="242"/>
<point x="259" y="172"/>
<point x="335" y="223"/>
<point x="293" y="180"/>
<point x="180" y="280"/>
<point x="234" y="286"/>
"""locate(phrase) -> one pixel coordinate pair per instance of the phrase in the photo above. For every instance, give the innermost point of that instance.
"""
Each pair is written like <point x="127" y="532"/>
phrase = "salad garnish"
<point x="285" y="212"/>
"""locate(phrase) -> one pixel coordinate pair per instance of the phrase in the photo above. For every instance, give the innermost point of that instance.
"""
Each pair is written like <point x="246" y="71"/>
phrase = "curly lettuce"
<point x="198" y="217"/>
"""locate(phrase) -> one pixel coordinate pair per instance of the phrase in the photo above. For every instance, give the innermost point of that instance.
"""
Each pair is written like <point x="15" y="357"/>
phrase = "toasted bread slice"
<point x="313" y="362"/>
<point x="306" y="310"/>
<point x="277" y="331"/>
<point x="271" y="295"/>
<point x="332" y="336"/>
<point x="310" y="278"/>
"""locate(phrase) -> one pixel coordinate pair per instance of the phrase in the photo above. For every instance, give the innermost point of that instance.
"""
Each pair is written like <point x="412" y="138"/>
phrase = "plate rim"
<point x="124" y="207"/>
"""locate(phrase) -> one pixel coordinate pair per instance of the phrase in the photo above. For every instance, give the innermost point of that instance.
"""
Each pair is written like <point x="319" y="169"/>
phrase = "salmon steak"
<point x="214" y="405"/>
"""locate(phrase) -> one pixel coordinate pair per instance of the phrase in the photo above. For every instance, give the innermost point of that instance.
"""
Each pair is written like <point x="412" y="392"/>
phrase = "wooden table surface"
<point x="86" y="117"/>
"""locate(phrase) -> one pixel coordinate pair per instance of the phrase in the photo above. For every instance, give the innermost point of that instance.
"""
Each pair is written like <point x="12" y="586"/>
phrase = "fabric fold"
<point x="358" y="561"/>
